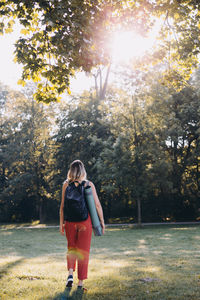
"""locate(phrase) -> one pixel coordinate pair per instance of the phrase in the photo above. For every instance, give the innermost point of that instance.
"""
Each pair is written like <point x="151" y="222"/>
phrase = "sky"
<point x="10" y="72"/>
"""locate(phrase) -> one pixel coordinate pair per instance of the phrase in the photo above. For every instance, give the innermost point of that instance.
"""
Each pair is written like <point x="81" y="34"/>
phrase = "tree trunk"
<point x="139" y="212"/>
<point x="109" y="208"/>
<point x="103" y="90"/>
<point x="42" y="213"/>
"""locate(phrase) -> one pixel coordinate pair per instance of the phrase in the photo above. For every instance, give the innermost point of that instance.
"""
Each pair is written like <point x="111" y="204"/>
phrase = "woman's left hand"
<point x="62" y="229"/>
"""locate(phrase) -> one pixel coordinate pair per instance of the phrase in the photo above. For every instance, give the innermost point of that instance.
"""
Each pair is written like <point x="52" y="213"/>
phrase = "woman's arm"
<point x="65" y="184"/>
<point x="98" y="206"/>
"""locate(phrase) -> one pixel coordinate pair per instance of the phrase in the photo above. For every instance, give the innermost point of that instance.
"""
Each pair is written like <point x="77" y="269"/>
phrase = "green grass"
<point x="158" y="263"/>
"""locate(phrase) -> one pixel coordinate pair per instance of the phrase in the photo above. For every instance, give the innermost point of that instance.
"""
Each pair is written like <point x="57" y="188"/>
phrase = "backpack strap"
<point x="83" y="183"/>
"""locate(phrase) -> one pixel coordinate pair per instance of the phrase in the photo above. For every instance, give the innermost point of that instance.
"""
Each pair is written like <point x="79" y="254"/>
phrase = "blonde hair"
<point x="76" y="171"/>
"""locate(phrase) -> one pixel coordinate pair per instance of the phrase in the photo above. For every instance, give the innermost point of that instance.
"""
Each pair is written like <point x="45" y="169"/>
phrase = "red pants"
<point x="79" y="239"/>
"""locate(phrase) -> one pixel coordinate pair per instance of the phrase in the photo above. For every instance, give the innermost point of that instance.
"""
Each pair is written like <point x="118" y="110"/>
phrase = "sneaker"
<point x="69" y="282"/>
<point x="81" y="288"/>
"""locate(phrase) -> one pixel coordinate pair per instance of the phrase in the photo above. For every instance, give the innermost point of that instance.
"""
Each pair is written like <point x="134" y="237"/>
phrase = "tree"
<point x="27" y="161"/>
<point x="175" y="119"/>
<point x="124" y="157"/>
<point x="60" y="37"/>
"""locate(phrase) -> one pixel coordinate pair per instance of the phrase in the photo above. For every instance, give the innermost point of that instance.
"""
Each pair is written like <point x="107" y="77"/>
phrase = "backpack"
<point x="75" y="207"/>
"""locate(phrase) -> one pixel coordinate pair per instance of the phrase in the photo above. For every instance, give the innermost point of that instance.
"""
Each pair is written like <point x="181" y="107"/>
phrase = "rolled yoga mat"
<point x="93" y="212"/>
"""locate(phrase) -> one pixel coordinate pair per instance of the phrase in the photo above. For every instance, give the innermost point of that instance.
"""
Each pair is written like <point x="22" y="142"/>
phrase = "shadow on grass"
<point x="31" y="243"/>
<point x="114" y="290"/>
<point x="6" y="268"/>
<point x="68" y="295"/>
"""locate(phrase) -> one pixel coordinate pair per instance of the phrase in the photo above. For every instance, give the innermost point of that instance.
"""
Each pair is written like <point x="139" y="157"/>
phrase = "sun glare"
<point x="127" y="45"/>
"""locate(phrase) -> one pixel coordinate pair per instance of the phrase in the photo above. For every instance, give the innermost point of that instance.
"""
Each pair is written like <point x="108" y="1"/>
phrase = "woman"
<point x="78" y="233"/>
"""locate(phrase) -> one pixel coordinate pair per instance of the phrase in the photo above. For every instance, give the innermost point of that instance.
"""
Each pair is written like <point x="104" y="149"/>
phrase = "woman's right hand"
<point x="103" y="227"/>
<point x="62" y="229"/>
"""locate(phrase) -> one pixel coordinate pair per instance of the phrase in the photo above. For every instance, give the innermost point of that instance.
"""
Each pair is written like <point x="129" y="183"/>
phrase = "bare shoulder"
<point x="65" y="184"/>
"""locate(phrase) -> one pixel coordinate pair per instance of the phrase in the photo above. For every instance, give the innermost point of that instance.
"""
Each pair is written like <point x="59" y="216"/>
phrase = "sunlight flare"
<point x="128" y="45"/>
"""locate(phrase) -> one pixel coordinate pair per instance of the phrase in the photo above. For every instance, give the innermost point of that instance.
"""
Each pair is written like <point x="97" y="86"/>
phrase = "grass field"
<point x="158" y="263"/>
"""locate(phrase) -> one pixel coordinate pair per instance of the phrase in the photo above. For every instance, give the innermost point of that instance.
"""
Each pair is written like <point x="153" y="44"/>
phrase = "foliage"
<point x="26" y="150"/>
<point x="60" y="37"/>
<point x="140" y="146"/>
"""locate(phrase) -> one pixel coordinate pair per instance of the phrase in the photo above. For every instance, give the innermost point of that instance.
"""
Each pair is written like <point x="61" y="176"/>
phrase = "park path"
<point x="39" y="226"/>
